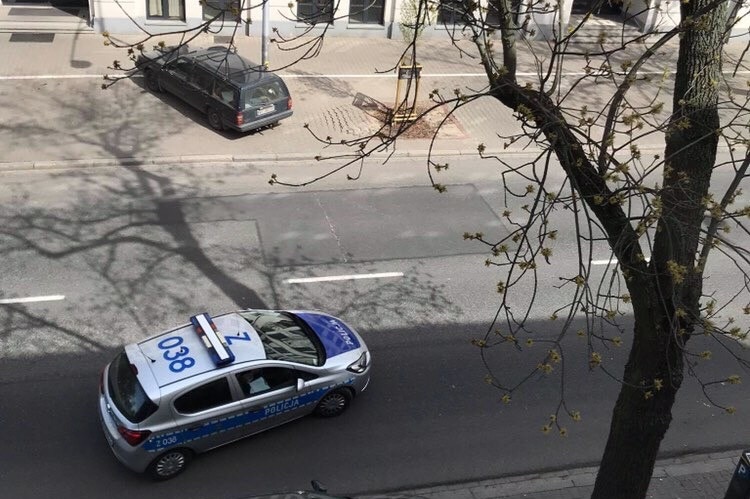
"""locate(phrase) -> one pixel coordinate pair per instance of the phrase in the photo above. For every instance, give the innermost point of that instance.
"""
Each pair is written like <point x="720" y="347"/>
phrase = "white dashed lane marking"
<point x="351" y="277"/>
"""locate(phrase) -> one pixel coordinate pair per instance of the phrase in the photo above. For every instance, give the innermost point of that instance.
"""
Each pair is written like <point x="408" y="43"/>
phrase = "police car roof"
<point x="181" y="353"/>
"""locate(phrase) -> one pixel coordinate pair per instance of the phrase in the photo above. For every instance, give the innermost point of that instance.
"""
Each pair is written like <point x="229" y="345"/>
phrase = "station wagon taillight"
<point x="133" y="437"/>
<point x="240" y="119"/>
<point x="289" y="102"/>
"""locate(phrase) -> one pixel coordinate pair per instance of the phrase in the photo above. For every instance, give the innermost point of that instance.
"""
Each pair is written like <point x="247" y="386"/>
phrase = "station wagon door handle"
<point x="195" y="427"/>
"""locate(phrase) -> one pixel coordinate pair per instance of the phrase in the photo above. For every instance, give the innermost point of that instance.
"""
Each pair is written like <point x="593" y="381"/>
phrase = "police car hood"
<point x="334" y="334"/>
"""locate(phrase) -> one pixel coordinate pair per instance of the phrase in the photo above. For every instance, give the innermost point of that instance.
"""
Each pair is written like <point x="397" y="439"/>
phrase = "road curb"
<point x="584" y="476"/>
<point x="222" y="158"/>
<point x="211" y="159"/>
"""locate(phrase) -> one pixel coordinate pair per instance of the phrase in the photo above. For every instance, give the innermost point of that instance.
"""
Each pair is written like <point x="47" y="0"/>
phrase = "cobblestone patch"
<point x="349" y="122"/>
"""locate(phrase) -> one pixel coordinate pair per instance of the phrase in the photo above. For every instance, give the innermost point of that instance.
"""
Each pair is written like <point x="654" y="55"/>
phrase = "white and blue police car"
<point x="216" y="380"/>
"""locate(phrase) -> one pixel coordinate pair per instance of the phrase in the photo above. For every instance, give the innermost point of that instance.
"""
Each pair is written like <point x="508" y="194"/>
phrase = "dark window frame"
<point x="176" y="68"/>
<point x="166" y="15"/>
<point x="223" y="9"/>
<point x="285" y="377"/>
<point x="367" y="12"/>
<point x="214" y="404"/>
<point x="315" y="11"/>
<point x="204" y="79"/>
<point x="450" y="12"/>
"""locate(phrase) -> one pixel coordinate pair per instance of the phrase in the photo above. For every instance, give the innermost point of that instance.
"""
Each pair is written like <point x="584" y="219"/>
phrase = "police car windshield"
<point x="126" y="392"/>
<point x="285" y="337"/>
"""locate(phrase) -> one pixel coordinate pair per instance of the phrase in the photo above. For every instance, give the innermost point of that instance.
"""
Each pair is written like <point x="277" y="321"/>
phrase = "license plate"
<point x="265" y="110"/>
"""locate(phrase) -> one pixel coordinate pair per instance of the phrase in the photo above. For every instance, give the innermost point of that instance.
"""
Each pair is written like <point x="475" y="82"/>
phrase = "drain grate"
<point x="32" y="37"/>
<point x="29" y="11"/>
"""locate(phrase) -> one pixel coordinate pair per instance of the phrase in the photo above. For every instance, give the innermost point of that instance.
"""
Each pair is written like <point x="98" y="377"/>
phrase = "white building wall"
<point x="112" y="16"/>
<point x="741" y="28"/>
<point x="547" y="25"/>
<point x="665" y="15"/>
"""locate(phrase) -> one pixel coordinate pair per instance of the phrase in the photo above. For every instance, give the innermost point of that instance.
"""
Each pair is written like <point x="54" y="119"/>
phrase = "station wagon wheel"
<point x="333" y="403"/>
<point x="214" y="119"/>
<point x="152" y="82"/>
<point x="170" y="464"/>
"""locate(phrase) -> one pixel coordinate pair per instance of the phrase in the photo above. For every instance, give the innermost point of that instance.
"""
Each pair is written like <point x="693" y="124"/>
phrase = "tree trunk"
<point x="642" y="413"/>
<point x="666" y="299"/>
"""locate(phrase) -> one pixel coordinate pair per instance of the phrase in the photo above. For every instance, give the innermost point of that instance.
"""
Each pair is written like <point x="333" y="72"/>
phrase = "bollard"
<point x="739" y="486"/>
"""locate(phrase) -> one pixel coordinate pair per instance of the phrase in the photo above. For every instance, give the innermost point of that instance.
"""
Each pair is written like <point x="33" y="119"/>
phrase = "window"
<point x="181" y="67"/>
<point x="208" y="396"/>
<point x="265" y="93"/>
<point x="225" y="93"/>
<point x="492" y="15"/>
<point x="315" y="11"/>
<point x="222" y="10"/>
<point x="451" y="12"/>
<point x="126" y="392"/>
<point x="204" y="80"/>
<point x="266" y="379"/>
<point x="366" y="11"/>
<point x="165" y="9"/>
<point x="284" y="337"/>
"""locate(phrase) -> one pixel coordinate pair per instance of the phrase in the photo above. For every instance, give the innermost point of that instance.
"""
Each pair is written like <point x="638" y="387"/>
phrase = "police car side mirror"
<point x="300" y="384"/>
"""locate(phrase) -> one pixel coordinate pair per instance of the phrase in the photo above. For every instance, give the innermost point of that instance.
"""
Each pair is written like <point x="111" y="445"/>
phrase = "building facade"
<point x="377" y="18"/>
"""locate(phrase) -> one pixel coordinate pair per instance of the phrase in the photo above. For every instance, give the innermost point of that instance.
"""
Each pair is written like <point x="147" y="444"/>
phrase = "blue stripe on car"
<point x="180" y="437"/>
<point x="336" y="336"/>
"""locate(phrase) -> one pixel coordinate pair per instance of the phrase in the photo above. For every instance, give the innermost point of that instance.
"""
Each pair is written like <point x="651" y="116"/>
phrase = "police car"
<point x="216" y="380"/>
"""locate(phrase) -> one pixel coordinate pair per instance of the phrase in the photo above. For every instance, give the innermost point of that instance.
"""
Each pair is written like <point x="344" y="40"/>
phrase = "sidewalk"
<point x="328" y="91"/>
<point x="698" y="476"/>
<point x="57" y="115"/>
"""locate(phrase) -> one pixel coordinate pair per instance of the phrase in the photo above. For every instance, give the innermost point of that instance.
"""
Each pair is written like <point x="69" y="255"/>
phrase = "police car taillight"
<point x="133" y="437"/>
<point x="361" y="364"/>
<point x="240" y="119"/>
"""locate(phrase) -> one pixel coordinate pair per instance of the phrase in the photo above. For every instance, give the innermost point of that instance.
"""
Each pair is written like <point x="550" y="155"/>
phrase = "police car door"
<point x="209" y="415"/>
<point x="271" y="396"/>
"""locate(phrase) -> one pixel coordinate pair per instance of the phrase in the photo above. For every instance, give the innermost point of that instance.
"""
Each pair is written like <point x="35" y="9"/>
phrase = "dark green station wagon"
<point x="233" y="92"/>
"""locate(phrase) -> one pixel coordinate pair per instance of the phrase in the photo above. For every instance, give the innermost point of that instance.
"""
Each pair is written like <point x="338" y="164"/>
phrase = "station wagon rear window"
<point x="265" y="93"/>
<point x="126" y="391"/>
<point x="286" y="337"/>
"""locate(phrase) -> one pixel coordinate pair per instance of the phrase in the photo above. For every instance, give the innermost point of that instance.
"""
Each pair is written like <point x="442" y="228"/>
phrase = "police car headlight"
<point x="361" y="364"/>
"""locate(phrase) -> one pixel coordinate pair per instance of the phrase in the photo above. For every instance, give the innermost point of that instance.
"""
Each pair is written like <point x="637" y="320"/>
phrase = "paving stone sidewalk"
<point x="695" y="476"/>
<point x="64" y="120"/>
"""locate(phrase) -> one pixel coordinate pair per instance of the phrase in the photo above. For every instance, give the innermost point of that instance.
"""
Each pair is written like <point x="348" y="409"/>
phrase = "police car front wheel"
<point x="333" y="404"/>
<point x="170" y="464"/>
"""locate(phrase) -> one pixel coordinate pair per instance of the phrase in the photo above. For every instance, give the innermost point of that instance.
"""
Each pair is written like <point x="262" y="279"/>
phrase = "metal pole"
<point x="265" y="34"/>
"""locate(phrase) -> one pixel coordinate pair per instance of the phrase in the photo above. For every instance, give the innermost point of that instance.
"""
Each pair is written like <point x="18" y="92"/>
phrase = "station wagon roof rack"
<point x="229" y="62"/>
<point x="214" y="342"/>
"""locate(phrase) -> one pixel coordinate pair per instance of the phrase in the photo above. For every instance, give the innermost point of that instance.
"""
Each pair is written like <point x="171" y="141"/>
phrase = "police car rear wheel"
<point x="170" y="464"/>
<point x="333" y="404"/>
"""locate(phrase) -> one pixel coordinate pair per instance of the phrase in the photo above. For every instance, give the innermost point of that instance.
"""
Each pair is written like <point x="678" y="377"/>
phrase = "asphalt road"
<point x="134" y="252"/>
